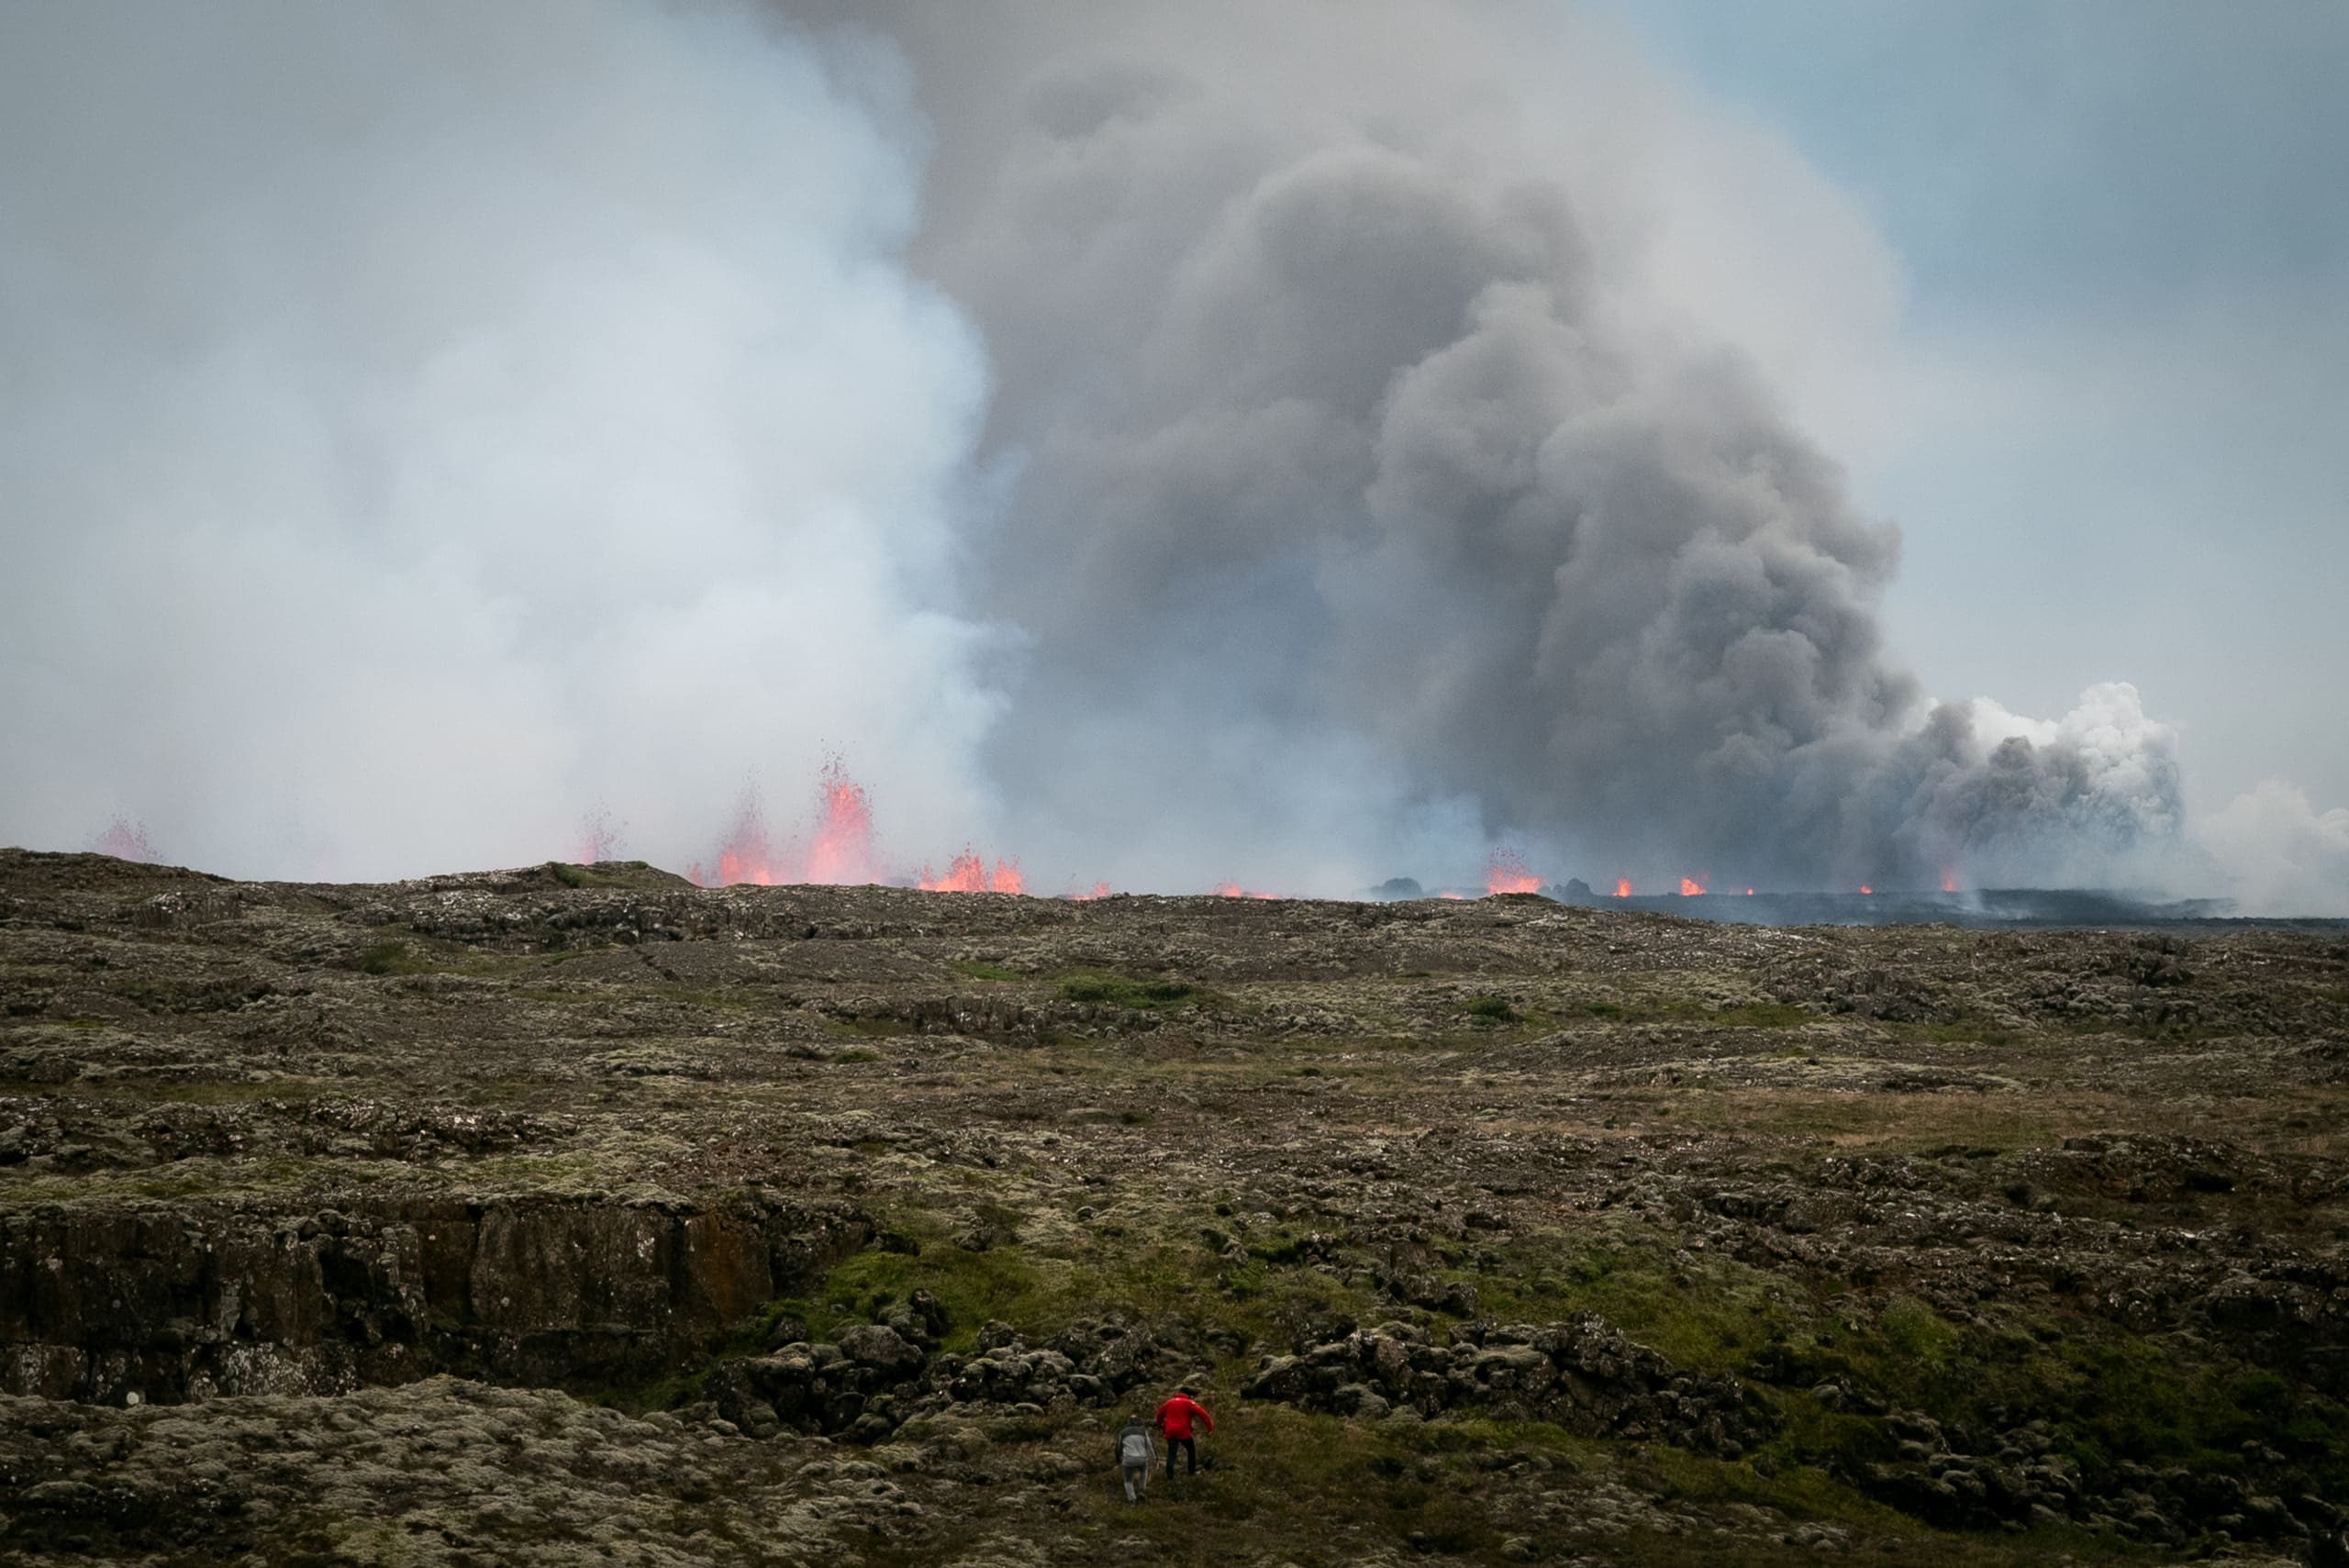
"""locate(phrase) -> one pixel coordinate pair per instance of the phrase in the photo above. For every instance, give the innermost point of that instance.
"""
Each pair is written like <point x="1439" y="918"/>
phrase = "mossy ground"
<point x="1995" y="1178"/>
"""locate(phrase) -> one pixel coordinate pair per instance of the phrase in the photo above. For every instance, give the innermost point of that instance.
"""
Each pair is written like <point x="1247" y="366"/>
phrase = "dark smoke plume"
<point x="1338" y="455"/>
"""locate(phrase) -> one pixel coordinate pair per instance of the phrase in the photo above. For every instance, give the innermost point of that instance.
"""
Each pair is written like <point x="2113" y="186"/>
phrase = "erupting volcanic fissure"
<point x="1690" y="887"/>
<point x="1507" y="871"/>
<point x="840" y="849"/>
<point x="744" y="856"/>
<point x="967" y="873"/>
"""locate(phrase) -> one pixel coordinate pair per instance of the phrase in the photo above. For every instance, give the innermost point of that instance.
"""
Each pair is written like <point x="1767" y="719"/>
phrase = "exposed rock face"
<point x="161" y="1304"/>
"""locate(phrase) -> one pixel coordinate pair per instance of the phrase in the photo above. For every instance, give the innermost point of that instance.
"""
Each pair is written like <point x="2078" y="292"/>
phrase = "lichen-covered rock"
<point x="438" y="1471"/>
<point x="1584" y="1375"/>
<point x="879" y="1347"/>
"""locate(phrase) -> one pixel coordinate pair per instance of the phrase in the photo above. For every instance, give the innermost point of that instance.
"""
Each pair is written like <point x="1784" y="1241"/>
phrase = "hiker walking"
<point x="1136" y="1452"/>
<point x="1175" y="1418"/>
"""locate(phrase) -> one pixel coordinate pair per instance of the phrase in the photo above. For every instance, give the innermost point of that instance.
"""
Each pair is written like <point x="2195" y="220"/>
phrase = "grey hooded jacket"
<point x="1149" y="1443"/>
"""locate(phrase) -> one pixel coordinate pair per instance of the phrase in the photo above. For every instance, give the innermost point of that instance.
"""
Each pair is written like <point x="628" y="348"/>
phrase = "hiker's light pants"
<point x="1137" y="1482"/>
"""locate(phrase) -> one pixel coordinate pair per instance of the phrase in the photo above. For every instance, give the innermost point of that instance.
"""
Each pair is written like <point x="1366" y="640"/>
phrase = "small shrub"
<point x="1489" y="1009"/>
<point x="971" y="969"/>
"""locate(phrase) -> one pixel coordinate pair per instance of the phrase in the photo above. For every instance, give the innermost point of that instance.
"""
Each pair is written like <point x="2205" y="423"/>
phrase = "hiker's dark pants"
<point x="1190" y="1447"/>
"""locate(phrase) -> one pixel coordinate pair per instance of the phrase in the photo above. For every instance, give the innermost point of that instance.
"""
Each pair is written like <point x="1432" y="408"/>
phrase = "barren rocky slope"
<point x="569" y="1214"/>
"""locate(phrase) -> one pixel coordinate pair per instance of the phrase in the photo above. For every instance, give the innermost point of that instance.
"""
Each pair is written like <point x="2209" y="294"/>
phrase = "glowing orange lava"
<point x="1453" y="897"/>
<point x="1690" y="887"/>
<point x="1100" y="890"/>
<point x="1865" y="888"/>
<point x="1749" y="893"/>
<point x="841" y="849"/>
<point x="838" y="849"/>
<point x="1948" y="882"/>
<point x="1622" y="887"/>
<point x="966" y="873"/>
<point x="1234" y="890"/>
<point x="744" y="855"/>
<point x="1508" y="872"/>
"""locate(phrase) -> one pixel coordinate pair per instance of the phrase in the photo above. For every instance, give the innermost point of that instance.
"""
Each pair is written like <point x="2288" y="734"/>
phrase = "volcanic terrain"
<point x="577" y="1214"/>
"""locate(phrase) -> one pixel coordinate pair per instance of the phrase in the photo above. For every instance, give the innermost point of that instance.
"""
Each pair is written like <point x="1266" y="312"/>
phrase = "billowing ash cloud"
<point x="423" y="420"/>
<point x="1354" y="479"/>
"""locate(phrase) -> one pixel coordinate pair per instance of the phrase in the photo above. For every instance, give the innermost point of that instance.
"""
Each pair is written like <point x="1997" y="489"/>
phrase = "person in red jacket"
<point x="1175" y="1418"/>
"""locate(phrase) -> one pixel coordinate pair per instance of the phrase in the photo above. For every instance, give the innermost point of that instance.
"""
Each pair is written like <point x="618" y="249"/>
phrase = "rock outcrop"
<point x="1584" y="1376"/>
<point x="161" y="1303"/>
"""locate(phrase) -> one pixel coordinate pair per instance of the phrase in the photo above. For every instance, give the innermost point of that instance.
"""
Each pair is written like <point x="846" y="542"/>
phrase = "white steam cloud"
<point x="2279" y="853"/>
<point x="422" y="420"/>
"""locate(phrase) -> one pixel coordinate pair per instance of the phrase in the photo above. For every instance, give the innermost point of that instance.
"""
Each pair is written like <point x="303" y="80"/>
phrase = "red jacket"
<point x="1175" y="1417"/>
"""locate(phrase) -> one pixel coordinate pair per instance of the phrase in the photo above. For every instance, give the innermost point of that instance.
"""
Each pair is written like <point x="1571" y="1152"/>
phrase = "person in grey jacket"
<point x="1136" y="1452"/>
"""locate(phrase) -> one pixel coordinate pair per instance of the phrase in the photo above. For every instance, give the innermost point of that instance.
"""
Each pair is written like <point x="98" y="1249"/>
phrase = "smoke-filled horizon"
<point x="1167" y="444"/>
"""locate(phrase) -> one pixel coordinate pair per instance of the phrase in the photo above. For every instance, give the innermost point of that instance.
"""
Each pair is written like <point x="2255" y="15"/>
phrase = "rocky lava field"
<point x="577" y="1214"/>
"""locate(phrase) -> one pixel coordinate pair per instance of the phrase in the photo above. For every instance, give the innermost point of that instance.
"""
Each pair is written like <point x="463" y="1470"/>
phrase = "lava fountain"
<point x="841" y="848"/>
<point x="967" y="873"/>
<point x="127" y="841"/>
<point x="1507" y="871"/>
<point x="600" y="838"/>
<point x="744" y="855"/>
